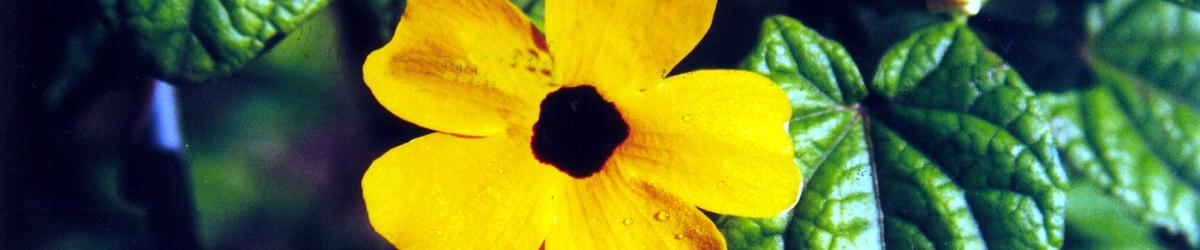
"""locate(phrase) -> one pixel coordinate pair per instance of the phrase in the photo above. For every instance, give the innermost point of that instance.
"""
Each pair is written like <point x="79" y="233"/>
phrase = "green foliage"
<point x="280" y="105"/>
<point x="1195" y="5"/>
<point x="1097" y="142"/>
<point x="192" y="41"/>
<point x="182" y="41"/>
<point x="962" y="153"/>
<point x="754" y="233"/>
<point x="839" y="207"/>
<point x="965" y="155"/>
<point x="1153" y="40"/>
<point x="1134" y="134"/>
<point x="1096" y="220"/>
<point x="945" y="147"/>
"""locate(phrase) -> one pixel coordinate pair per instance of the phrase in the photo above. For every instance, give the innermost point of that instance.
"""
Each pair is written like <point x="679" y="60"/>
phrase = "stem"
<point x="156" y="177"/>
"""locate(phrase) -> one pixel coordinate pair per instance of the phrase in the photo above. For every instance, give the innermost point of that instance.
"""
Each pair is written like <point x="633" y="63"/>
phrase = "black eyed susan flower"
<point x="572" y="140"/>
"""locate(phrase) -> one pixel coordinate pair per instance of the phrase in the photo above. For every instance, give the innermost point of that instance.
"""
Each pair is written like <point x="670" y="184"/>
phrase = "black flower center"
<point x="577" y="131"/>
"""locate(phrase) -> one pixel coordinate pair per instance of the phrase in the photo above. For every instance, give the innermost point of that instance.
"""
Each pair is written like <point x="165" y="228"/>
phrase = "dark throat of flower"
<point x="577" y="131"/>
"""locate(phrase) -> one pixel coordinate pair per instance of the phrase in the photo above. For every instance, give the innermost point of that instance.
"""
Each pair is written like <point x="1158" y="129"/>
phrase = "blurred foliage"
<point x="1092" y="217"/>
<point x="181" y="41"/>
<point x="261" y="149"/>
<point x="190" y="41"/>
<point x="280" y="135"/>
<point x="261" y="142"/>
<point x="1134" y="131"/>
<point x="1195" y="5"/>
<point x="375" y="17"/>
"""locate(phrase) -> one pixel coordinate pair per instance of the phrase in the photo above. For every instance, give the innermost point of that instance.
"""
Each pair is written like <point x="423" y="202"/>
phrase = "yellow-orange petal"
<point x="446" y="191"/>
<point x="606" y="211"/>
<point x="468" y="67"/>
<point x="716" y="138"/>
<point x="617" y="45"/>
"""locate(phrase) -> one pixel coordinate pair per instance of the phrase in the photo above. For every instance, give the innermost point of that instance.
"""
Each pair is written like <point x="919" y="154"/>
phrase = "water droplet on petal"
<point x="721" y="184"/>
<point x="679" y="236"/>
<point x="687" y="118"/>
<point x="627" y="221"/>
<point x="662" y="216"/>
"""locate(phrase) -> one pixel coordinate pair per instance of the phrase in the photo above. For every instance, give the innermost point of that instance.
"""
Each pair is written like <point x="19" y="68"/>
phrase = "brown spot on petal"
<point x="539" y="40"/>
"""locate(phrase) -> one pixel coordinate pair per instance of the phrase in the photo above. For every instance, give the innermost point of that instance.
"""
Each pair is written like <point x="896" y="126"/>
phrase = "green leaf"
<point x="1098" y="142"/>
<point x="924" y="208"/>
<point x="194" y="41"/>
<point x="1092" y="127"/>
<point x="1095" y="135"/>
<point x="753" y="233"/>
<point x="181" y="41"/>
<point x="1096" y="220"/>
<point x="1193" y="4"/>
<point x="1152" y="40"/>
<point x="839" y="207"/>
<point x="962" y="153"/>
<point x="966" y="112"/>
<point x="1134" y="135"/>
<point x="1155" y="45"/>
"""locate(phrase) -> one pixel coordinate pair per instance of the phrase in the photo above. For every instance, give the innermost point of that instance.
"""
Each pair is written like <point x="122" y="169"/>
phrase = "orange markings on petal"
<point x="461" y="66"/>
<point x="478" y="72"/>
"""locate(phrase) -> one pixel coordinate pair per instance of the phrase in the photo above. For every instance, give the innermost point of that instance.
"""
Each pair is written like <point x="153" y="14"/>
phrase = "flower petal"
<point x="716" y="138"/>
<point x="606" y="211"/>
<point x="468" y="67"/>
<point x="446" y="191"/>
<point x="617" y="45"/>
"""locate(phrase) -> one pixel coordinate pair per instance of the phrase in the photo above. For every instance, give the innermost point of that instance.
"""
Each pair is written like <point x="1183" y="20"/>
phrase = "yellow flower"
<point x="573" y="140"/>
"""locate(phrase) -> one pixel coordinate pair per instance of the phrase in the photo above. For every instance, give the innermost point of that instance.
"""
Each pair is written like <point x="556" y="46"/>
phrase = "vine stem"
<point x="156" y="176"/>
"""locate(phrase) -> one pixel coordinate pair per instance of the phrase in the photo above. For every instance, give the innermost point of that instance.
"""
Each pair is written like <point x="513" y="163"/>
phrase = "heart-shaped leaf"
<point x="960" y="149"/>
<point x="839" y="207"/>
<point x="953" y="101"/>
